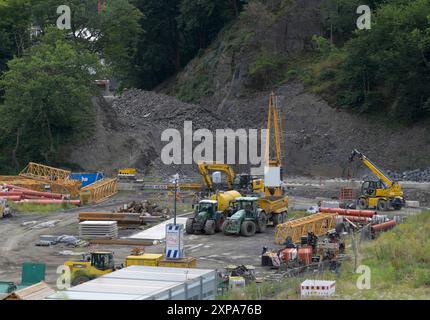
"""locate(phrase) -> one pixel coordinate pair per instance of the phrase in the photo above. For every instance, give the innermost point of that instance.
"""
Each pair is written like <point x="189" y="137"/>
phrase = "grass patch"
<point x="42" y="208"/>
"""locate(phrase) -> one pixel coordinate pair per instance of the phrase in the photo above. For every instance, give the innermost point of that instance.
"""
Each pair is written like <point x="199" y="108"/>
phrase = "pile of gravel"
<point x="138" y="107"/>
<point x="416" y="175"/>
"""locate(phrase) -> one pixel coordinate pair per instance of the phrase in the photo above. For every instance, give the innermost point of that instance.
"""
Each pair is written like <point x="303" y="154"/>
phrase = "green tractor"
<point x="207" y="219"/>
<point x="248" y="218"/>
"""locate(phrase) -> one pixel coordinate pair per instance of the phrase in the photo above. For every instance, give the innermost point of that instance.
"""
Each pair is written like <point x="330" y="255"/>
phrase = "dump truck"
<point x="275" y="208"/>
<point x="248" y="218"/>
<point x="210" y="214"/>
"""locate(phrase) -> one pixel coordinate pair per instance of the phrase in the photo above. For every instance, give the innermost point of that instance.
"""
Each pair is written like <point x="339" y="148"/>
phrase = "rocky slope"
<point x="317" y="138"/>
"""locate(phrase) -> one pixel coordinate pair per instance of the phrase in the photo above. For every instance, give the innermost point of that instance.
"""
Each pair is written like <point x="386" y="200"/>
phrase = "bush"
<point x="266" y="70"/>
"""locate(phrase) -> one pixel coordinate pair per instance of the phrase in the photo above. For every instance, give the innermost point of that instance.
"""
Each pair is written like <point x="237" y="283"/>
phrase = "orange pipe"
<point x="350" y="212"/>
<point x="50" y="201"/>
<point x="11" y="198"/>
<point x="384" y="226"/>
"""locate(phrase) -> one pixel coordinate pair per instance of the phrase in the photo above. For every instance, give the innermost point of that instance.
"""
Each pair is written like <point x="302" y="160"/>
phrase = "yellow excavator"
<point x="383" y="194"/>
<point x="240" y="182"/>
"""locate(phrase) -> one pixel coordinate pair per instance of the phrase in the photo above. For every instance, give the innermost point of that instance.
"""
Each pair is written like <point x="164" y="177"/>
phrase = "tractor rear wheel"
<point x="382" y="205"/>
<point x="284" y="217"/>
<point x="210" y="227"/>
<point x="189" y="226"/>
<point x="248" y="228"/>
<point x="362" y="203"/>
<point x="262" y="223"/>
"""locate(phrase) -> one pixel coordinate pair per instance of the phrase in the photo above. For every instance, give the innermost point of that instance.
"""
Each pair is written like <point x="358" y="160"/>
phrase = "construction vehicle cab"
<point x="209" y="214"/>
<point x="207" y="218"/>
<point x="92" y="265"/>
<point x="383" y="194"/>
<point x="248" y="218"/>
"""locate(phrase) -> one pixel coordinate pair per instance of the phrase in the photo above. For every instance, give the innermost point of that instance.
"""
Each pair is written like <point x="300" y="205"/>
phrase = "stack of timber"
<point x="127" y="218"/>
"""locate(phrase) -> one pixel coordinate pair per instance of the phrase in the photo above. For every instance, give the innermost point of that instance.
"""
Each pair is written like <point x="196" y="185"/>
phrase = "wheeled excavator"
<point x="240" y="182"/>
<point x="383" y="194"/>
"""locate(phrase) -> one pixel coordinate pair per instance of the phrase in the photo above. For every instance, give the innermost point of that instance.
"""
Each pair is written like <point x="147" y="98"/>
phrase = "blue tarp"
<point x="87" y="178"/>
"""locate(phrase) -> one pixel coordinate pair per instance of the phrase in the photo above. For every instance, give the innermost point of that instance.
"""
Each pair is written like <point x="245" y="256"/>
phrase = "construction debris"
<point x="98" y="230"/>
<point x="72" y="241"/>
<point x="146" y="208"/>
<point x="46" y="224"/>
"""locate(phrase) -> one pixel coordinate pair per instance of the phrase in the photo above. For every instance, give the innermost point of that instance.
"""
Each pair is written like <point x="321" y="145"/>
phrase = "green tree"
<point x="15" y="16"/>
<point x="200" y="21"/>
<point x="47" y="99"/>
<point x="387" y="68"/>
<point x="158" y="55"/>
<point x="112" y="34"/>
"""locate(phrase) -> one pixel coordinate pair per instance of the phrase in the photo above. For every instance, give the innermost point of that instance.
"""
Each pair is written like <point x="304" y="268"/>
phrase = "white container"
<point x="235" y="283"/>
<point x="317" y="288"/>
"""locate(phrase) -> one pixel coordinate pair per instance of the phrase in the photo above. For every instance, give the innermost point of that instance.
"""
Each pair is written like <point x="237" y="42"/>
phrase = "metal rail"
<point x="318" y="223"/>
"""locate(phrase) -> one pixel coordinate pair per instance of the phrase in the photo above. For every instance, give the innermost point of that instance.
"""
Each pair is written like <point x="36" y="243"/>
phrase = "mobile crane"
<point x="384" y="194"/>
<point x="274" y="202"/>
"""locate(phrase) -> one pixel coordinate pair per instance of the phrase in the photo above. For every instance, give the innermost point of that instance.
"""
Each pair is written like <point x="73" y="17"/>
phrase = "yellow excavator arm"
<point x="373" y="167"/>
<point x="205" y="167"/>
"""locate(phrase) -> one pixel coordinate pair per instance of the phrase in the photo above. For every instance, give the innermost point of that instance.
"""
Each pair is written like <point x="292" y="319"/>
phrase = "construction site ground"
<point x="17" y="242"/>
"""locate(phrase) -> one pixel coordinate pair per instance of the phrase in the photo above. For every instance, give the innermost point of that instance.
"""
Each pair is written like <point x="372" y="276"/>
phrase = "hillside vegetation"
<point x="381" y="71"/>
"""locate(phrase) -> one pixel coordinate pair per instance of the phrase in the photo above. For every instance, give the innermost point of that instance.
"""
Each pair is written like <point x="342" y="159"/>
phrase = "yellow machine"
<point x="92" y="265"/>
<point x="242" y="181"/>
<point x="158" y="260"/>
<point x="274" y="202"/>
<point x="319" y="224"/>
<point x="99" y="263"/>
<point x="127" y="172"/>
<point x="384" y="194"/>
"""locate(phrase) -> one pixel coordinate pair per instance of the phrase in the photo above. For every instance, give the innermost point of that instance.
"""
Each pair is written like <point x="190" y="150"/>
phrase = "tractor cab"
<point x="102" y="260"/>
<point x="205" y="209"/>
<point x="370" y="188"/>
<point x="246" y="206"/>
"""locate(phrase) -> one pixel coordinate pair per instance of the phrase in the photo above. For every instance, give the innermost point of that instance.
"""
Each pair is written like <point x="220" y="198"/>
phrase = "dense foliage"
<point x="47" y="99"/>
<point x="384" y="70"/>
<point x="47" y="76"/>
